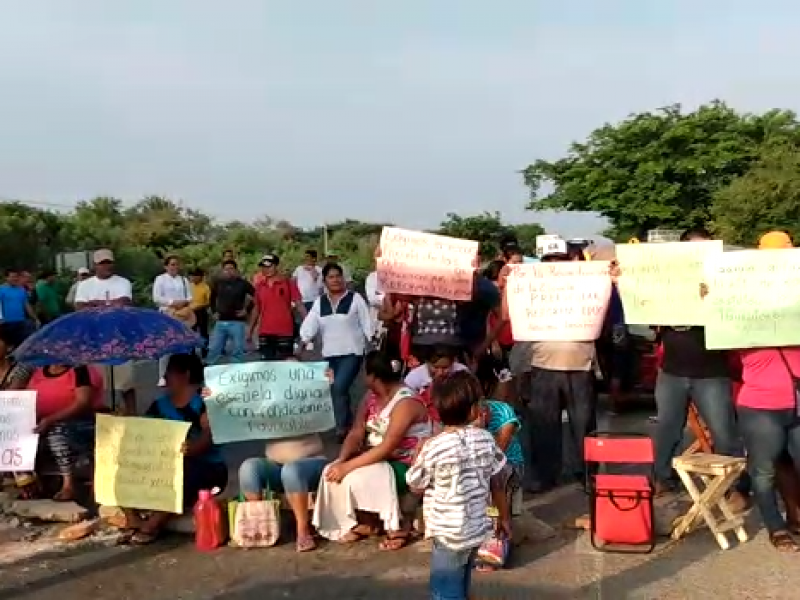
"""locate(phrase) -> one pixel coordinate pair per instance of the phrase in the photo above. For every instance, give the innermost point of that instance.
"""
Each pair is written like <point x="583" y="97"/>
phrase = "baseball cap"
<point x="269" y="260"/>
<point x="775" y="240"/>
<point x="103" y="255"/>
<point x="84" y="271"/>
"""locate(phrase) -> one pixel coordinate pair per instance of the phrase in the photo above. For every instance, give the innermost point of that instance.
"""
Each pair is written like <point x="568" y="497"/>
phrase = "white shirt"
<point x="98" y="290"/>
<point x="167" y="290"/>
<point x="342" y="334"/>
<point x="454" y="468"/>
<point x="420" y="378"/>
<point x="310" y="289"/>
<point x="374" y="298"/>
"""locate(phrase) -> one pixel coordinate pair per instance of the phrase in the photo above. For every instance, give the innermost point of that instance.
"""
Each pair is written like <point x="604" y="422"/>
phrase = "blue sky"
<point x="370" y="109"/>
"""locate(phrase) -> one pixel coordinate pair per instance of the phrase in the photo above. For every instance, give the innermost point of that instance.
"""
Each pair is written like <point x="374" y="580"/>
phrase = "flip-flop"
<point x="392" y="543"/>
<point x="784" y="543"/>
<point x="354" y="536"/>
<point x="305" y="544"/>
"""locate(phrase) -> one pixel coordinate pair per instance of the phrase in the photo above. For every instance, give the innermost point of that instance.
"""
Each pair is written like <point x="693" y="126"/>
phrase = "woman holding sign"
<point x="362" y="488"/>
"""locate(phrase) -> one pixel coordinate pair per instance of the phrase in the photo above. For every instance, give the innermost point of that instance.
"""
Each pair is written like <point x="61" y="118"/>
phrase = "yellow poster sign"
<point x="659" y="283"/>
<point x="138" y="463"/>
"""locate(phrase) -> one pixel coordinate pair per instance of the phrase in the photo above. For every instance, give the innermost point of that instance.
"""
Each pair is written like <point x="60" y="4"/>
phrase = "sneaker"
<point x="162" y="382"/>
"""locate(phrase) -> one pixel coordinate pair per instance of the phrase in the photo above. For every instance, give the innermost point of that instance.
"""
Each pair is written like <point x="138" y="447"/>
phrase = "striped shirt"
<point x="454" y="468"/>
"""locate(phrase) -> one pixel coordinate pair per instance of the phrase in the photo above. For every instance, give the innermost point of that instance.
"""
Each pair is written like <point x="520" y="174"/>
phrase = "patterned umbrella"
<point x="107" y="335"/>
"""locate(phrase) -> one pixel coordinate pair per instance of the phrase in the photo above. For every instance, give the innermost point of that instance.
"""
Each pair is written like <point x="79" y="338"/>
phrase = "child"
<point x="439" y="363"/>
<point x="457" y="469"/>
<point x="499" y="419"/>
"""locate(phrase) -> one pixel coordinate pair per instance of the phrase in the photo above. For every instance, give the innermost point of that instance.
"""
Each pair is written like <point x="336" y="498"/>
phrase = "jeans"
<point x="714" y="401"/>
<point x="298" y="477"/>
<point x="767" y="434"/>
<point x="574" y="391"/>
<point x="345" y="370"/>
<point x="451" y="572"/>
<point x="224" y="331"/>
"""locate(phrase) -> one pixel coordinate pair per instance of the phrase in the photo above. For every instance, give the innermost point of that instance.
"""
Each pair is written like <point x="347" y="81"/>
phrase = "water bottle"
<point x="208" y="525"/>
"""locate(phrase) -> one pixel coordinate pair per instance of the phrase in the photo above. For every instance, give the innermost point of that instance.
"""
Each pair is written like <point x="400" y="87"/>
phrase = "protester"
<point x="369" y="474"/>
<point x="441" y="362"/>
<point x="332" y="258"/>
<point x="767" y="413"/>
<point x="172" y="296"/>
<point x="690" y="372"/>
<point x="49" y="302"/>
<point x="308" y="278"/>
<point x="457" y="472"/>
<point x="66" y="401"/>
<point x="15" y="309"/>
<point x="203" y="464"/>
<point x="230" y="295"/>
<point x="81" y="275"/>
<point x="201" y="299"/>
<point x="108" y="289"/>
<point x="341" y="318"/>
<point x="276" y="301"/>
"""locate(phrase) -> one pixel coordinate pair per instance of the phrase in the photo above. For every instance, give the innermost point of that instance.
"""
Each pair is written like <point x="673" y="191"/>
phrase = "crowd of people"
<point x="458" y="417"/>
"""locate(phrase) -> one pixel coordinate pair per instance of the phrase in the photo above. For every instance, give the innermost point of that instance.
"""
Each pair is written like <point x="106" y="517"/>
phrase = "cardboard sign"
<point x="414" y="263"/>
<point x="268" y="400"/>
<point x="659" y="282"/>
<point x="550" y="244"/>
<point x="558" y="301"/>
<point x="18" y="443"/>
<point x="138" y="463"/>
<point x="753" y="299"/>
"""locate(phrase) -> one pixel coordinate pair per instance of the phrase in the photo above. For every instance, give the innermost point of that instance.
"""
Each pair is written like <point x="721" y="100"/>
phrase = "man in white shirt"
<point x="108" y="289"/>
<point x="308" y="278"/>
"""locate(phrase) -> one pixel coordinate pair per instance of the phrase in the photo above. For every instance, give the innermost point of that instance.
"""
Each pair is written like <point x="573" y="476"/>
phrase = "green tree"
<point x="767" y="197"/>
<point x="658" y="169"/>
<point x="488" y="229"/>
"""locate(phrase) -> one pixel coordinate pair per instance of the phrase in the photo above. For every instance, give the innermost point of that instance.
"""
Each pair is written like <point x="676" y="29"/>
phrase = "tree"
<point x="658" y="169"/>
<point x="488" y="229"/>
<point x="767" y="197"/>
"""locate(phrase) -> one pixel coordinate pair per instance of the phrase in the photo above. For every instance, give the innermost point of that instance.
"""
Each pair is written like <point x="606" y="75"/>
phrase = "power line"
<point x="36" y="203"/>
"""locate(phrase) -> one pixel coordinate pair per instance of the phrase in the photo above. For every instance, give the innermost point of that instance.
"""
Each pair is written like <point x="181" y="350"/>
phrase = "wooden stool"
<point x="717" y="475"/>
<point x="702" y="436"/>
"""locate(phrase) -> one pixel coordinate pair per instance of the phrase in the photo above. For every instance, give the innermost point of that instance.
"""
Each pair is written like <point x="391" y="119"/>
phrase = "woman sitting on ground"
<point x="293" y="466"/>
<point x="67" y="399"/>
<point x="362" y="488"/>
<point x="203" y="465"/>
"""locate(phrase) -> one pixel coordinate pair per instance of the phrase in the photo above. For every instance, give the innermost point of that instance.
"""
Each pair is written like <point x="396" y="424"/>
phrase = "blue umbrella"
<point x="107" y="335"/>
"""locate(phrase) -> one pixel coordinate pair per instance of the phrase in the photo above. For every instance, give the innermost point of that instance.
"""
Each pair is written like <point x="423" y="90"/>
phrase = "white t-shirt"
<point x="167" y="290"/>
<point x="419" y="377"/>
<point x="310" y="289"/>
<point x="97" y="290"/>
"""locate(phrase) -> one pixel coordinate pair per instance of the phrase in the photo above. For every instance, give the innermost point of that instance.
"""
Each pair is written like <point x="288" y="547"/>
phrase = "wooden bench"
<point x="708" y="478"/>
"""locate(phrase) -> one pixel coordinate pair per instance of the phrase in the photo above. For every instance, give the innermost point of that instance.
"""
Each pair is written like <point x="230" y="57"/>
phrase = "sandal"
<point x="143" y="538"/>
<point x="356" y="534"/>
<point x="783" y="542"/>
<point x="305" y="544"/>
<point x="394" y="542"/>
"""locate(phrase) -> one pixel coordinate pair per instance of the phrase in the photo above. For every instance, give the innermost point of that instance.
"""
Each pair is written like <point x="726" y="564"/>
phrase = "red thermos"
<point x="208" y="525"/>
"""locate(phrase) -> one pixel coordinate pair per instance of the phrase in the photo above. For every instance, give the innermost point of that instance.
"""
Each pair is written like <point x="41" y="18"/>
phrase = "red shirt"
<point x="505" y="337"/>
<point x="56" y="393"/>
<point x="274" y="299"/>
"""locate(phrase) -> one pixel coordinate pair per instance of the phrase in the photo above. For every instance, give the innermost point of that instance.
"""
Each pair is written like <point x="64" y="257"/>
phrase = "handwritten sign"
<point x="268" y="400"/>
<point x="558" y="301"/>
<point x="659" y="282"/>
<point x="138" y="463"/>
<point x="18" y="443"/>
<point x="753" y="299"/>
<point x="423" y="264"/>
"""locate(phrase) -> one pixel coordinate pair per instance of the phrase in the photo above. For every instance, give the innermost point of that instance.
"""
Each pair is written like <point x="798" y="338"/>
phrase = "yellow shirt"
<point x="201" y="295"/>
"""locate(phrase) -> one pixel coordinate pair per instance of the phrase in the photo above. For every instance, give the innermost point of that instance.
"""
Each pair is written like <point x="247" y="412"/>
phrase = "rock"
<point x="49" y="510"/>
<point x="79" y="531"/>
<point x="15" y="522"/>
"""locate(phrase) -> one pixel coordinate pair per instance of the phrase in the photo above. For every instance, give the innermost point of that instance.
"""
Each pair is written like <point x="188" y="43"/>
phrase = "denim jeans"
<point x="451" y="572"/>
<point x="345" y="370"/>
<point x="767" y="434"/>
<point x="298" y="477"/>
<point x="224" y="331"/>
<point x="714" y="401"/>
<point x="550" y="391"/>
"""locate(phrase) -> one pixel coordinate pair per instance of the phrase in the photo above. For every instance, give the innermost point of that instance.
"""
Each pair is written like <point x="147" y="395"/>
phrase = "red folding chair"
<point x="620" y="503"/>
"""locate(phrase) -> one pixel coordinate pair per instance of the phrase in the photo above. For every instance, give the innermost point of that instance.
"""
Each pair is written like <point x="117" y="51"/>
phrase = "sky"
<point x="378" y="110"/>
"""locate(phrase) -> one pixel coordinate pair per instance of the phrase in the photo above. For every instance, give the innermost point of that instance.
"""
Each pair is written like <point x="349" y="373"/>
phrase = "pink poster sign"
<point x="559" y="301"/>
<point x="424" y="264"/>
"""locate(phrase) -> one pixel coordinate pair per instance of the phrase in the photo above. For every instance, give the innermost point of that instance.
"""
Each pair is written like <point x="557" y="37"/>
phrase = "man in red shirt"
<point x="276" y="299"/>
